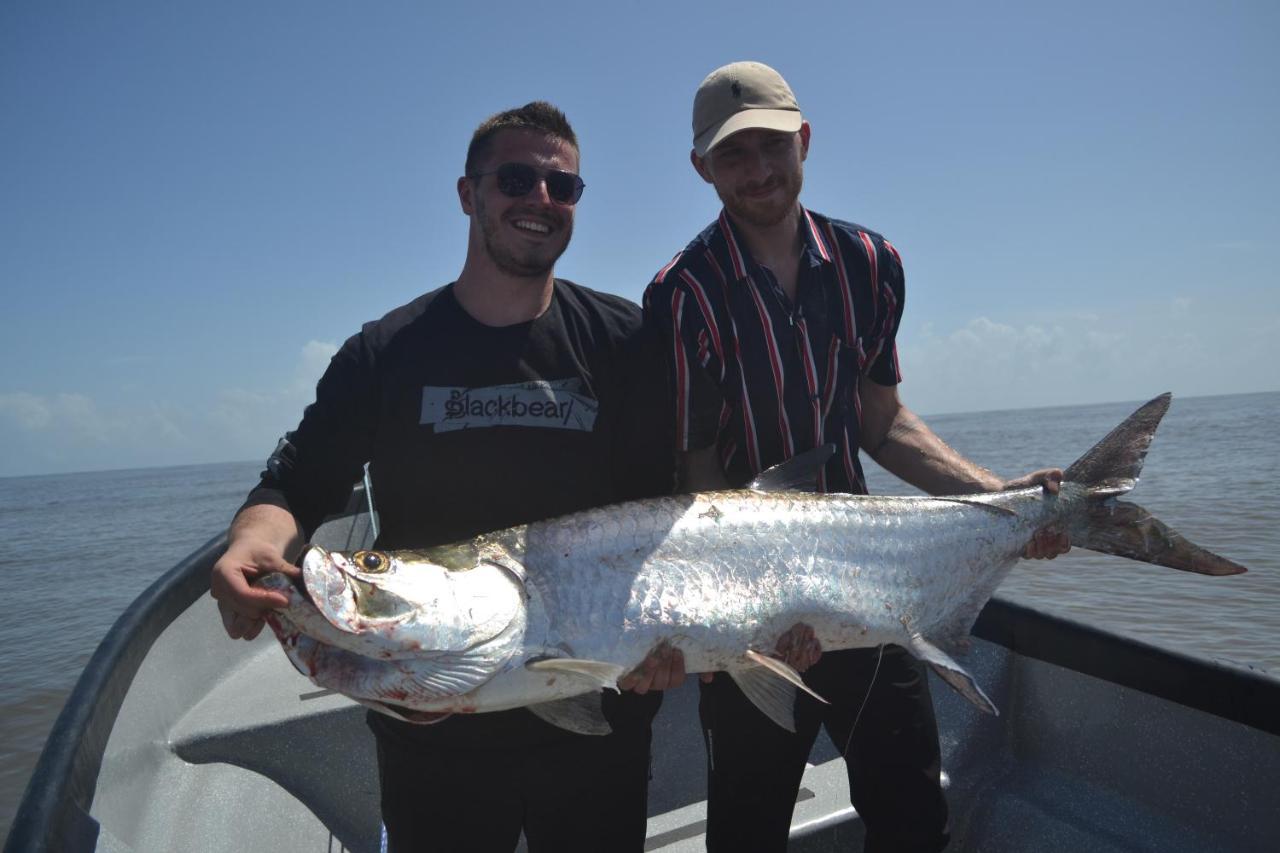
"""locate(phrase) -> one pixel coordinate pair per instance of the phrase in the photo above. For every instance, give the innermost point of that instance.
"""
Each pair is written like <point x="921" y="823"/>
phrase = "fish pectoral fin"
<point x="771" y="685"/>
<point x="581" y="714"/>
<point x="598" y="673"/>
<point x="438" y="676"/>
<point x="952" y="673"/>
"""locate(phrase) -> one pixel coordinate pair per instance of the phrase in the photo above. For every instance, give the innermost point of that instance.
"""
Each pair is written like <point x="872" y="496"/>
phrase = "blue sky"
<point x="200" y="201"/>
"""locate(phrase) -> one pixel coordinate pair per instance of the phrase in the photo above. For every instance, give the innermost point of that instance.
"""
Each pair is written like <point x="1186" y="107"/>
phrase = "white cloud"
<point x="27" y="411"/>
<point x="68" y="431"/>
<point x="1060" y="359"/>
<point x="315" y="358"/>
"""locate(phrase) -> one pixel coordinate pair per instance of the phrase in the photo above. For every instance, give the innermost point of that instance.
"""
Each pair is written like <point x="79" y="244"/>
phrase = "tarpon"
<point x="544" y="615"/>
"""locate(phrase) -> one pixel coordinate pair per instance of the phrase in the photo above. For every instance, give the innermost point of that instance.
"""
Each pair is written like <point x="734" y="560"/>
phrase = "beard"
<point x="767" y="212"/>
<point x="528" y="261"/>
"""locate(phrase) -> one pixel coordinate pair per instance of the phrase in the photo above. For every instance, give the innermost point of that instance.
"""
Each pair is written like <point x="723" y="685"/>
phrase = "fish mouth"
<point x="346" y="601"/>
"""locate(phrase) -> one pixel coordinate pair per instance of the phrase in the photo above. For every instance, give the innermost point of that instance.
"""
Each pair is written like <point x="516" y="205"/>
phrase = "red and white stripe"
<point x="708" y="316"/>
<point x="869" y="246"/>
<point x="815" y="400"/>
<point x="846" y="295"/>
<point x="735" y="253"/>
<point x="833" y="367"/>
<point x="682" y="371"/>
<point x="775" y="366"/>
<point x="817" y="236"/>
<point x="662" y="273"/>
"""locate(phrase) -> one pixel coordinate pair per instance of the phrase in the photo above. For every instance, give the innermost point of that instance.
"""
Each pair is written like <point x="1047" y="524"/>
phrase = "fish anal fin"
<point x="599" y="674"/>
<point x="581" y="714"/>
<point x="952" y="673"/>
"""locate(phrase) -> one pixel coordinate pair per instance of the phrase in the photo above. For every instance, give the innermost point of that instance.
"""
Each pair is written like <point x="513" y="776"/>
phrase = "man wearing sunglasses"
<point x="780" y="325"/>
<point x="502" y="398"/>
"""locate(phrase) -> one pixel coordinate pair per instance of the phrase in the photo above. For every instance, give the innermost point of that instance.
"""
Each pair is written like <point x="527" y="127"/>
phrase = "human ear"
<point x="700" y="166"/>
<point x="464" y="195"/>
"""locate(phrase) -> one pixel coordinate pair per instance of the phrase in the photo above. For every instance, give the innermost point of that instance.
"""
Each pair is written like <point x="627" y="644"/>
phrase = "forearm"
<point x="911" y="451"/>
<point x="270" y="524"/>
<point x="901" y="443"/>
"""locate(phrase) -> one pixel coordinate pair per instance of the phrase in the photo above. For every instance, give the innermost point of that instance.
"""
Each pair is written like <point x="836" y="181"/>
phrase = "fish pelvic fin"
<point x="770" y="685"/>
<point x="952" y="673"/>
<point x="599" y="674"/>
<point x="1127" y="530"/>
<point x="581" y="714"/>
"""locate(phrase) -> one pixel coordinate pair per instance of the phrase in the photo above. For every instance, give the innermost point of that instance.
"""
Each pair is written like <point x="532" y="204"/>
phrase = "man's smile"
<point x="532" y="226"/>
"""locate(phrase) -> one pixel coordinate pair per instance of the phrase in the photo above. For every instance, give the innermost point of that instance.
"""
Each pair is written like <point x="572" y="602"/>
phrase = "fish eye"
<point x="372" y="561"/>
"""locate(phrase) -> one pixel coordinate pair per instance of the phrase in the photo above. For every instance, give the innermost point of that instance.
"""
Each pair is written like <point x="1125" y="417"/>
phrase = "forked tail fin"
<point x="1125" y="529"/>
<point x="1112" y="466"/>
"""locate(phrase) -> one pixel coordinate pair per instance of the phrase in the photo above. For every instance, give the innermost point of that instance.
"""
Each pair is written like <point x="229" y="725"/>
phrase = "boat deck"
<point x="177" y="738"/>
<point x="260" y="753"/>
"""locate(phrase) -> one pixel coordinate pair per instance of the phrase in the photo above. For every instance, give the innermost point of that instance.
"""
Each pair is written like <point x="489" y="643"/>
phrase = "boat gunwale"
<point x="65" y="777"/>
<point x="66" y="773"/>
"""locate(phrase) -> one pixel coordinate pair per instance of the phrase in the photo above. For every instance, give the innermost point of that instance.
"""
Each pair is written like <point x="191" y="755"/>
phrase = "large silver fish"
<point x="545" y="615"/>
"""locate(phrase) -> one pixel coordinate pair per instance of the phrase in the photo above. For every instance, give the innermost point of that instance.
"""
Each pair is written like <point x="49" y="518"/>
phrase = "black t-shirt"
<point x="469" y="428"/>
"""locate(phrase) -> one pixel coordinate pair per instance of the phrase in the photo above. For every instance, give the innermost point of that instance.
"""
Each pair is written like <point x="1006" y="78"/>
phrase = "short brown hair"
<point x="535" y="115"/>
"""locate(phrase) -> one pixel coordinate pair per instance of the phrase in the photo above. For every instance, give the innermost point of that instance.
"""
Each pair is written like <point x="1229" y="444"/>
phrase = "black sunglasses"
<point x="519" y="179"/>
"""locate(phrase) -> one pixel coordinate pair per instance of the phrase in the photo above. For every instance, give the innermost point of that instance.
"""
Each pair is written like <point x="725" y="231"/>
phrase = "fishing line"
<point x="858" y="716"/>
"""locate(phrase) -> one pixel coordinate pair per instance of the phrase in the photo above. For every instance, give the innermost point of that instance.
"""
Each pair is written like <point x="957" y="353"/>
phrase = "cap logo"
<point x="736" y="88"/>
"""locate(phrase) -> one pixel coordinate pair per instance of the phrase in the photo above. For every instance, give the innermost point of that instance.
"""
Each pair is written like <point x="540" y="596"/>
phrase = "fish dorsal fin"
<point x="771" y="685"/>
<point x="598" y="673"/>
<point x="581" y="714"/>
<point x="952" y="673"/>
<point x="797" y="474"/>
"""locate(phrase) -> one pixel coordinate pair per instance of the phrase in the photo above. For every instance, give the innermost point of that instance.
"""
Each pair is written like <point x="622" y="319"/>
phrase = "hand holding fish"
<point x="663" y="669"/>
<point x="1051" y="541"/>
<point x="242" y="605"/>
<point x="799" y="647"/>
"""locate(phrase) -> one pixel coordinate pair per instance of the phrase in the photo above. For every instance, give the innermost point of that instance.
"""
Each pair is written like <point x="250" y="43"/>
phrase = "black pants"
<point x="893" y="758"/>
<point x="568" y="793"/>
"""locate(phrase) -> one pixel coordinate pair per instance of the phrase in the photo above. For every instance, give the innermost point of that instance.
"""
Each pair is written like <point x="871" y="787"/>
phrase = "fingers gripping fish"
<point x="545" y="615"/>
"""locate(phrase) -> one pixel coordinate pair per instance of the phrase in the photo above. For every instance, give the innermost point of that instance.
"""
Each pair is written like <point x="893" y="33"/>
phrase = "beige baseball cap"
<point x="739" y="96"/>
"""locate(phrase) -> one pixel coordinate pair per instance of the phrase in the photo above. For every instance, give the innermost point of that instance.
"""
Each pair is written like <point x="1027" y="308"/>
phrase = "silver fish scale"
<point x="718" y="573"/>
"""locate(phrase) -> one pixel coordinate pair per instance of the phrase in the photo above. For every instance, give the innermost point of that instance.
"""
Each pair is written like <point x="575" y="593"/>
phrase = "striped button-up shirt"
<point x="764" y="378"/>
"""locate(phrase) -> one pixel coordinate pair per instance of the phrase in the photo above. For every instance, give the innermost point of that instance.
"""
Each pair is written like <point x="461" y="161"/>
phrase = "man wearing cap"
<point x="781" y="326"/>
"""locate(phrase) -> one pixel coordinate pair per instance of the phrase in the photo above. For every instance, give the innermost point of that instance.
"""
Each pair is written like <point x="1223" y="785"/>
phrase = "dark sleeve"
<point x="684" y="335"/>
<point x="891" y="300"/>
<point x="313" y="470"/>
<point x="644" y="449"/>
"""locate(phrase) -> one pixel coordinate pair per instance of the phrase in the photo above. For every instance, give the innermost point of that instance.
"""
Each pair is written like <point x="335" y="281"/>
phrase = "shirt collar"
<point x="816" y="250"/>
